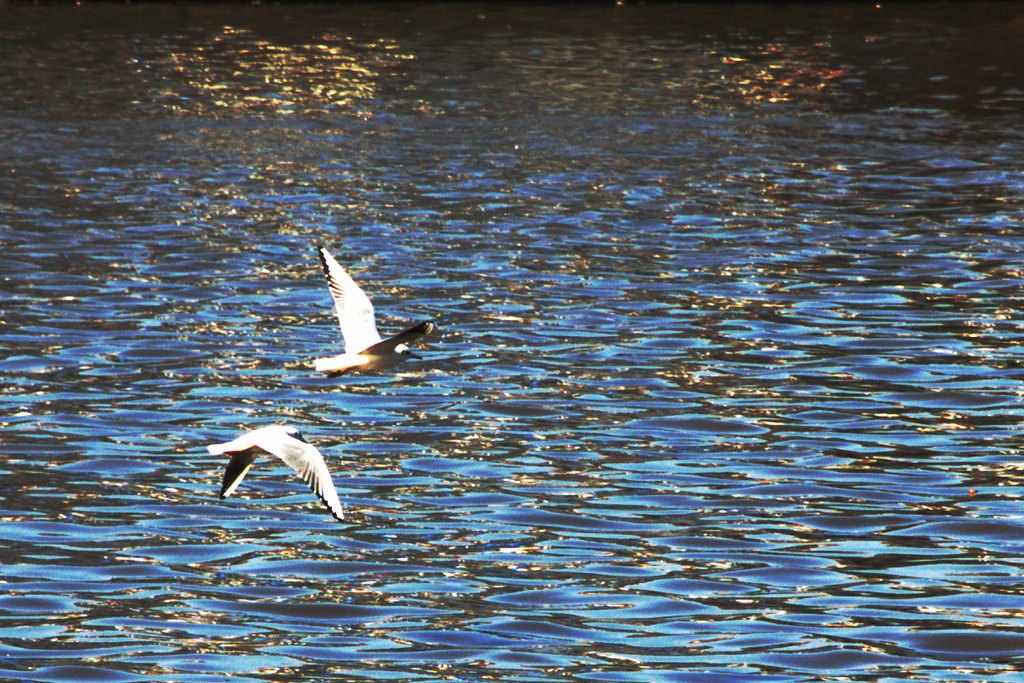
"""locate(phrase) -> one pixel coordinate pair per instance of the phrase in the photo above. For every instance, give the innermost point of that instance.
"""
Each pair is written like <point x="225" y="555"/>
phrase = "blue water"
<point x="727" y="383"/>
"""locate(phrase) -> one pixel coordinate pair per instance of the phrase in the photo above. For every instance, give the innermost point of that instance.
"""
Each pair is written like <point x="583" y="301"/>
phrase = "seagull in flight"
<point x="364" y="348"/>
<point x="287" y="444"/>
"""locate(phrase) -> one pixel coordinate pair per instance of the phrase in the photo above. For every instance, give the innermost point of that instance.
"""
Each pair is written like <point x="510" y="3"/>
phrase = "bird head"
<point x="292" y="432"/>
<point x="405" y="351"/>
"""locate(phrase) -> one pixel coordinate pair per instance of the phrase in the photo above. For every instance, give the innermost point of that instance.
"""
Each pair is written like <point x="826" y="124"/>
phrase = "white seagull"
<point x="364" y="348"/>
<point x="287" y="444"/>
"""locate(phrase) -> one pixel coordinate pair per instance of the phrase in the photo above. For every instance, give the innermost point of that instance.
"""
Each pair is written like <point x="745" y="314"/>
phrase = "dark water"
<point x="729" y="379"/>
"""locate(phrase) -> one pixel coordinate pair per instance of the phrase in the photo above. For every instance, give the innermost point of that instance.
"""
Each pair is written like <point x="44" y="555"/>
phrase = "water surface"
<point x="727" y="384"/>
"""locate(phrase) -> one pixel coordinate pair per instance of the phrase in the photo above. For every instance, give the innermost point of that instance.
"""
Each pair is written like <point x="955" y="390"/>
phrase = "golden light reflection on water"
<point x="776" y="72"/>
<point x="239" y="73"/>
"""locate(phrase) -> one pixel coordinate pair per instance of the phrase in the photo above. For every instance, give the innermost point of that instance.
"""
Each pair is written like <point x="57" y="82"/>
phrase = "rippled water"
<point x="728" y="384"/>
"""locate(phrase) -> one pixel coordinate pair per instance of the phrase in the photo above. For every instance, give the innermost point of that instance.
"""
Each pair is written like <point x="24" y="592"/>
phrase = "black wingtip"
<point x="320" y="251"/>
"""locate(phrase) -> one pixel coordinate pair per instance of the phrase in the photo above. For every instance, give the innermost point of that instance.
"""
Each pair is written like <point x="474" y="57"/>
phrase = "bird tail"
<point x="334" y="365"/>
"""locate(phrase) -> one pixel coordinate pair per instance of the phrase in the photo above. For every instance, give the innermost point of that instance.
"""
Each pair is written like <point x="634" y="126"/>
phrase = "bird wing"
<point x="355" y="311"/>
<point x="404" y="337"/>
<point x="305" y="459"/>
<point x="238" y="465"/>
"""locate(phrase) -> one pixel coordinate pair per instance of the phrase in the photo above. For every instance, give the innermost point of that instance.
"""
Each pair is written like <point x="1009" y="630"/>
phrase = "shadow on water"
<point x="725" y="385"/>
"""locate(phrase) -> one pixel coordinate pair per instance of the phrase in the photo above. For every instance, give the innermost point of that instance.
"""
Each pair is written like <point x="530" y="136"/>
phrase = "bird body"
<point x="364" y="348"/>
<point x="383" y="354"/>
<point x="287" y="444"/>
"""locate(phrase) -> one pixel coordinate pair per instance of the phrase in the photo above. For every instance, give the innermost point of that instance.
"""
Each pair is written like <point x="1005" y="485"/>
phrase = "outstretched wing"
<point x="238" y="466"/>
<point x="404" y="337"/>
<point x="305" y="459"/>
<point x="354" y="309"/>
